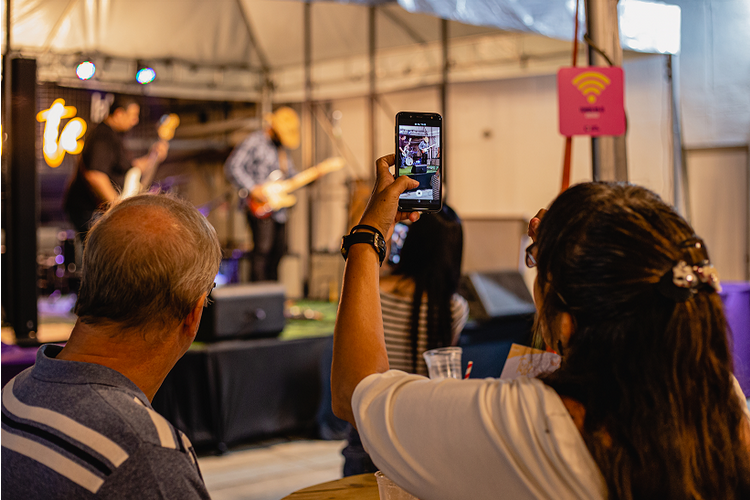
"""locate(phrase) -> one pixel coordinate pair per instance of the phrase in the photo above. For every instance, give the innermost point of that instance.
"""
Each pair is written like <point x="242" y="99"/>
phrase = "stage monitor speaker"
<point x="253" y="310"/>
<point x="499" y="294"/>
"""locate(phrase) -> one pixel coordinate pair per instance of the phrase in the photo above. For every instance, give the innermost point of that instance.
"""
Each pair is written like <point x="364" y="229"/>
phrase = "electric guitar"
<point x="428" y="148"/>
<point x="278" y="192"/>
<point x="165" y="131"/>
<point x="409" y="160"/>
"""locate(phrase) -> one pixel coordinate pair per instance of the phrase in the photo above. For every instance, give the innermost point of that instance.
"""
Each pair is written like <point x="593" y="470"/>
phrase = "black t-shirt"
<point x="103" y="151"/>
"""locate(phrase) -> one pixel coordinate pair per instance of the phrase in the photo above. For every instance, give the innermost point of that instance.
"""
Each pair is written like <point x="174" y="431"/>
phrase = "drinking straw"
<point x="468" y="369"/>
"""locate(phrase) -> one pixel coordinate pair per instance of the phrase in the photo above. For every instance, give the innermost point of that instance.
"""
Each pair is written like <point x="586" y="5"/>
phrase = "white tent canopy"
<point x="221" y="48"/>
<point x="228" y="49"/>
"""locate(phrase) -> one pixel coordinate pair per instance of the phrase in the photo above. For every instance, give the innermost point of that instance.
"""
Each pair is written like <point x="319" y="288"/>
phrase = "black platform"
<point x="232" y="391"/>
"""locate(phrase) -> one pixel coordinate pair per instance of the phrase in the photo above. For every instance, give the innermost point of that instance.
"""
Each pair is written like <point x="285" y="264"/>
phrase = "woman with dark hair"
<point x="644" y="404"/>
<point x="421" y="309"/>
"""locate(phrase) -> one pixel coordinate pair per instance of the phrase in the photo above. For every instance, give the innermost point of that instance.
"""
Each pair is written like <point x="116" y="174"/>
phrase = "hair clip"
<point x="692" y="277"/>
<point x="684" y="280"/>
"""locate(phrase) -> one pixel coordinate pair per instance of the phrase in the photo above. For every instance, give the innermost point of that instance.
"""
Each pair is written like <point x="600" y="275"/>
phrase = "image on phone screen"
<point x="419" y="157"/>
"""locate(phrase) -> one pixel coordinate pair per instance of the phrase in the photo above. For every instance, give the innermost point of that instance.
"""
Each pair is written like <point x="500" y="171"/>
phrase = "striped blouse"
<point x="397" y="327"/>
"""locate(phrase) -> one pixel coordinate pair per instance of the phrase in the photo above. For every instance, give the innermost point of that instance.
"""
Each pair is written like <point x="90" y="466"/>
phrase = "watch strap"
<point x="374" y="239"/>
<point x="369" y="228"/>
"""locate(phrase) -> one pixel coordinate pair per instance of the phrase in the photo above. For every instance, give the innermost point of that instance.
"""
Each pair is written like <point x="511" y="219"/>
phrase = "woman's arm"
<point x="358" y="344"/>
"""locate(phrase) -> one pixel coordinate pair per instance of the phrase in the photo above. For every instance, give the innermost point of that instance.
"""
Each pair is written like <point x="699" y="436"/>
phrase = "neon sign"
<point x="56" y="144"/>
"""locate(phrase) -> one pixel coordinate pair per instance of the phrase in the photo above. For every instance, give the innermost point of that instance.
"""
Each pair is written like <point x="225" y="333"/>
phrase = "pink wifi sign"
<point x="591" y="101"/>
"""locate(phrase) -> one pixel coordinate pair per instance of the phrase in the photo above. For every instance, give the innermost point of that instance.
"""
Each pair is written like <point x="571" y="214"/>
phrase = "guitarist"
<point x="104" y="162"/>
<point x="248" y="167"/>
<point x="424" y="150"/>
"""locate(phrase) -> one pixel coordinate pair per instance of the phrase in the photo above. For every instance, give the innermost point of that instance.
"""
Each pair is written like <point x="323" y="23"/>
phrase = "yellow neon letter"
<point x="54" y="149"/>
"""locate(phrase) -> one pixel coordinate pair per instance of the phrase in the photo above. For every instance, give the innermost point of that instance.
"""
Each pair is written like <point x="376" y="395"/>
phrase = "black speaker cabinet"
<point x="253" y="310"/>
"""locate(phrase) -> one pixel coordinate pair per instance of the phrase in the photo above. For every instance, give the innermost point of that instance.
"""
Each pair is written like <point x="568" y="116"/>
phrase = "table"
<point x="361" y="487"/>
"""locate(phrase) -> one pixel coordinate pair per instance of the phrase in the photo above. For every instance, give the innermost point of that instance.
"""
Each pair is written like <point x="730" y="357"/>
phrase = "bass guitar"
<point x="165" y="131"/>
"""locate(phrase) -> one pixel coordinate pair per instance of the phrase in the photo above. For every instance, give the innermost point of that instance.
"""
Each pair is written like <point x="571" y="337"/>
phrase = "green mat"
<point x="303" y="328"/>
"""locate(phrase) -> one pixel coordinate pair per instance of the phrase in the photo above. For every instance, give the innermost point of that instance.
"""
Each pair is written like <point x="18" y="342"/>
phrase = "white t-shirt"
<point x="497" y="439"/>
<point x="509" y="439"/>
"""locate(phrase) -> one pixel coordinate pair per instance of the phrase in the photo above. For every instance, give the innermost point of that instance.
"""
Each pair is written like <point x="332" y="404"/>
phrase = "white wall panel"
<point x="719" y="203"/>
<point x="715" y="71"/>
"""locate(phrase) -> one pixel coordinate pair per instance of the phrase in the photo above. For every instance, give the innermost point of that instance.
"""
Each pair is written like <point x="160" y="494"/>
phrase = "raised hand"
<point x="382" y="208"/>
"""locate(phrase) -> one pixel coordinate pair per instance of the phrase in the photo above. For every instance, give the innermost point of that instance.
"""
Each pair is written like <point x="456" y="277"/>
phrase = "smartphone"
<point x="419" y="154"/>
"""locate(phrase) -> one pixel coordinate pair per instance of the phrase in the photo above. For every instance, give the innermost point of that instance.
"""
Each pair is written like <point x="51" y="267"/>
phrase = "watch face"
<point x="381" y="244"/>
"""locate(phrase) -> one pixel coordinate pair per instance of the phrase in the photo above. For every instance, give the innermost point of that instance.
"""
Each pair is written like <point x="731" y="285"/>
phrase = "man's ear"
<point x="193" y="319"/>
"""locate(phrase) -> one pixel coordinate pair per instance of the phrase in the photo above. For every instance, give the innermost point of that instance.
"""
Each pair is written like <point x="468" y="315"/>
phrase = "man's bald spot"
<point x="142" y="222"/>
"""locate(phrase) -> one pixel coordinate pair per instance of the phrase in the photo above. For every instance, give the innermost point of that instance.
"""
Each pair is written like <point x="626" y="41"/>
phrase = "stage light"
<point x="85" y="70"/>
<point x="145" y="75"/>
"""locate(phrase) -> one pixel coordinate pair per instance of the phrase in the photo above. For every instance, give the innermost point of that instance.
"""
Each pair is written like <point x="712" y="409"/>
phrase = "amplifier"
<point x="252" y="310"/>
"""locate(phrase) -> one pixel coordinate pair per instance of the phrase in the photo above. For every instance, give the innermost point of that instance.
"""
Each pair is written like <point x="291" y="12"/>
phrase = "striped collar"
<point x="49" y="369"/>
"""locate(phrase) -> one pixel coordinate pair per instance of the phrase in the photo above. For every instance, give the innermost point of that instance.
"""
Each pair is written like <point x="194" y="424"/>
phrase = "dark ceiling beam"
<point x="56" y="27"/>
<point x="253" y="39"/>
<point x="405" y="27"/>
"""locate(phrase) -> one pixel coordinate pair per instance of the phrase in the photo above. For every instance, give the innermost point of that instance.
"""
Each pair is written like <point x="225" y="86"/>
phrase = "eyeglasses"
<point x="208" y="300"/>
<point x="531" y="256"/>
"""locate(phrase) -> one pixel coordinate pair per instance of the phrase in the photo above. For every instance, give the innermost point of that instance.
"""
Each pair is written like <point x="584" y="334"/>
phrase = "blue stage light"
<point x="85" y="70"/>
<point x="145" y="75"/>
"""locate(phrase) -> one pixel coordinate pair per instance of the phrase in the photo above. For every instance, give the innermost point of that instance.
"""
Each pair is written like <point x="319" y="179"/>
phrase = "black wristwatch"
<point x="374" y="238"/>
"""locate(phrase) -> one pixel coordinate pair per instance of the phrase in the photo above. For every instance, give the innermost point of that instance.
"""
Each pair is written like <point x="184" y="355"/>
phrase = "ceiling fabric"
<point x="552" y="18"/>
<point x="216" y="32"/>
<point x="232" y="49"/>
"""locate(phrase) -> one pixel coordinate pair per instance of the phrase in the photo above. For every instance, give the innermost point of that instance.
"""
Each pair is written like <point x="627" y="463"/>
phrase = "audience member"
<point x="644" y="404"/>
<point x="421" y="309"/>
<point x="79" y="423"/>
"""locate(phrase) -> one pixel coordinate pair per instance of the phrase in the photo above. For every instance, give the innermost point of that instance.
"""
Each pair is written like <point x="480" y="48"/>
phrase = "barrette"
<point x="692" y="277"/>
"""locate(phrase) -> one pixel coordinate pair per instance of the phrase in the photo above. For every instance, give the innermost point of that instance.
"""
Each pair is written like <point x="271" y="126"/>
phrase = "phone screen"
<point x="419" y="154"/>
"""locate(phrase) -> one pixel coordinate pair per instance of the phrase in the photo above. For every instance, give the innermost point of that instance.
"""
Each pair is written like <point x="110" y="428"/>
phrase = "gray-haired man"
<point x="79" y="423"/>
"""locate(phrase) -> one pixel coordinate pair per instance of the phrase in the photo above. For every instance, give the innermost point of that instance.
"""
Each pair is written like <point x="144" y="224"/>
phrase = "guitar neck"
<point x="302" y="179"/>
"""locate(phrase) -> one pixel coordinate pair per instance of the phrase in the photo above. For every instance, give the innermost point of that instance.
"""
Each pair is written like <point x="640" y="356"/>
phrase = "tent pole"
<point x="609" y="156"/>
<point x="444" y="91"/>
<point x="372" y="132"/>
<point x="7" y="296"/>
<point x="679" y="165"/>
<point x="307" y="136"/>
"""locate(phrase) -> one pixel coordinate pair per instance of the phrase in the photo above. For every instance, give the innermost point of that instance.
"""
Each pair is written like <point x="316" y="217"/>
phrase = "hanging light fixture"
<point x="145" y="75"/>
<point x="85" y="70"/>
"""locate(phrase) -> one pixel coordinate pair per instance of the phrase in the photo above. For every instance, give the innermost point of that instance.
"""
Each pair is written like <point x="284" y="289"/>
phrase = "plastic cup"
<point x="388" y="490"/>
<point x="444" y="362"/>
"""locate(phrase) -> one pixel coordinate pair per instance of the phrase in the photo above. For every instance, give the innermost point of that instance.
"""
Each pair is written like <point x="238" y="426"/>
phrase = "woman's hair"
<point x="431" y="257"/>
<point x="655" y="374"/>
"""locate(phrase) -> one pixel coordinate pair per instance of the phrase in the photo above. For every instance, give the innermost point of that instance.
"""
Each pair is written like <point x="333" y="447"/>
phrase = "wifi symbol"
<point x="591" y="84"/>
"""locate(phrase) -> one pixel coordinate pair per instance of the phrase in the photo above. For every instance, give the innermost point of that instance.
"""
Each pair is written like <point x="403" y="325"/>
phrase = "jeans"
<point x="269" y="246"/>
